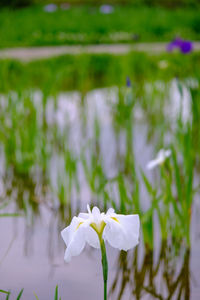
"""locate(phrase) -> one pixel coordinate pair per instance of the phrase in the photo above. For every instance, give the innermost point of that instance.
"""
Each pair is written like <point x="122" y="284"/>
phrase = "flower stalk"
<point x="104" y="260"/>
<point x="104" y="266"/>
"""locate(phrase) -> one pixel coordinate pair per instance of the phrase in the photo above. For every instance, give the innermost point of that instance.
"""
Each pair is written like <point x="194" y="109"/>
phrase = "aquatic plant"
<point x="9" y="293"/>
<point x="100" y="152"/>
<point x="138" y="275"/>
<point x="121" y="232"/>
<point x="21" y="292"/>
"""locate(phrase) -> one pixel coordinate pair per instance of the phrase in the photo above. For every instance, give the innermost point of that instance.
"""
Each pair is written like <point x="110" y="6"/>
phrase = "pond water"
<point x="59" y="153"/>
<point x="33" y="258"/>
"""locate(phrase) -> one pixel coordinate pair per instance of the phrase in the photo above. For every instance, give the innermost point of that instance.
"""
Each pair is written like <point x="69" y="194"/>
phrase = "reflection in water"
<point x="160" y="273"/>
<point x="61" y="153"/>
<point x="72" y="148"/>
<point x="167" y="277"/>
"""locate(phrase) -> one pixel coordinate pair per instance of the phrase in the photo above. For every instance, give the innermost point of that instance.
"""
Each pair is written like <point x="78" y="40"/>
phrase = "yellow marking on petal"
<point x="98" y="227"/>
<point x="115" y="219"/>
<point x="79" y="225"/>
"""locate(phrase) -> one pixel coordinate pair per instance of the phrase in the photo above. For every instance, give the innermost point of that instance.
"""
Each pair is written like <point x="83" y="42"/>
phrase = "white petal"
<point x="122" y="233"/>
<point x="76" y="246"/>
<point x="96" y="211"/>
<point x="84" y="215"/>
<point x="161" y="153"/>
<point x="153" y="163"/>
<point x="168" y="153"/>
<point x="92" y="237"/>
<point x="96" y="215"/>
<point x="68" y="231"/>
<point x="110" y="212"/>
<point x="74" y="238"/>
<point x="65" y="233"/>
<point x="88" y="208"/>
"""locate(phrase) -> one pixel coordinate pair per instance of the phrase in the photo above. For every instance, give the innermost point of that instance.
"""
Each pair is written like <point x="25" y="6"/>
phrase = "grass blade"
<point x="10" y="215"/>
<point x="5" y="292"/>
<point x="20" y="294"/>
<point x="56" y="293"/>
<point x="8" y="296"/>
<point x="35" y="296"/>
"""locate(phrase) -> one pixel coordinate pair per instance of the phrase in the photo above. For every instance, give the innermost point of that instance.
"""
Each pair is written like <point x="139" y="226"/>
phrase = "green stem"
<point x="104" y="266"/>
<point x="99" y="231"/>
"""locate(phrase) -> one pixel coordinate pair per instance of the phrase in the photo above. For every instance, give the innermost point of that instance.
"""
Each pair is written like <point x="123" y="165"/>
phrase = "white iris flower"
<point x="160" y="159"/>
<point x="120" y="231"/>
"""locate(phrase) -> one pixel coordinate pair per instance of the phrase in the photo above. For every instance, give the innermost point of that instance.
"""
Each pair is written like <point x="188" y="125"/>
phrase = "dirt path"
<point x="34" y="53"/>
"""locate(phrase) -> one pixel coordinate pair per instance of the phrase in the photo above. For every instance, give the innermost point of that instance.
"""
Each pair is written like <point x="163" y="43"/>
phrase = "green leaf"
<point x="20" y="294"/>
<point x="148" y="184"/>
<point x="8" y="296"/>
<point x="177" y="176"/>
<point x="5" y="292"/>
<point x="10" y="215"/>
<point x="35" y="296"/>
<point x="56" y="293"/>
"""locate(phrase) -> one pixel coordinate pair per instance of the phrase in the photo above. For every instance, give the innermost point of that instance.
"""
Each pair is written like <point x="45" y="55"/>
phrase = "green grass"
<point x="20" y="295"/>
<point x="85" y="24"/>
<point x="86" y="72"/>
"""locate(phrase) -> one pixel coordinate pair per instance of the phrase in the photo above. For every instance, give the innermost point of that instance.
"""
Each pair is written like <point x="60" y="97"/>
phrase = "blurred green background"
<point x="166" y="3"/>
<point x="26" y="23"/>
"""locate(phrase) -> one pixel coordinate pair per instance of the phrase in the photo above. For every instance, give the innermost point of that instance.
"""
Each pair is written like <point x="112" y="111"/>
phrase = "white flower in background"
<point x="163" y="64"/>
<point x="120" y="231"/>
<point x="160" y="159"/>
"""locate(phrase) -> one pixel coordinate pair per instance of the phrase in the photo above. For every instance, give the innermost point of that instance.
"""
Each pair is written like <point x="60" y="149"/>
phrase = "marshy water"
<point x="60" y="152"/>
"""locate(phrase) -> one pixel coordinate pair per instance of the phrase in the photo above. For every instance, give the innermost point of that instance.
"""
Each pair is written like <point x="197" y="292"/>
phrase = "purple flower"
<point x="184" y="46"/>
<point x="128" y="81"/>
<point x="174" y="44"/>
